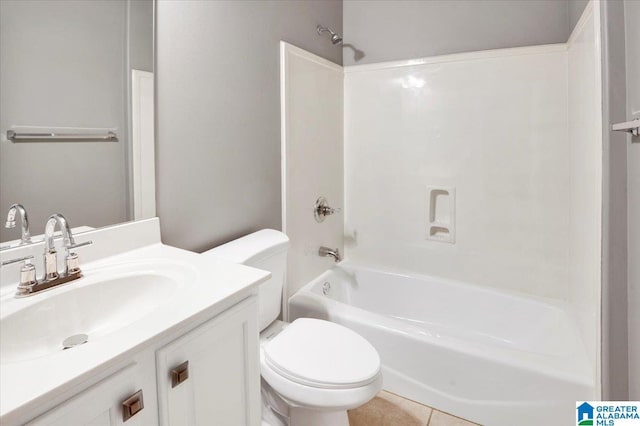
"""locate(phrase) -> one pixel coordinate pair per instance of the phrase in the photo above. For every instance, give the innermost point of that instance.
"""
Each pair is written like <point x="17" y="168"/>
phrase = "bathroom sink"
<point x="99" y="305"/>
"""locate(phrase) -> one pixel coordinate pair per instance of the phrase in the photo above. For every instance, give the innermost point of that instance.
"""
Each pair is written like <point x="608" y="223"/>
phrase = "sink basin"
<point x="97" y="305"/>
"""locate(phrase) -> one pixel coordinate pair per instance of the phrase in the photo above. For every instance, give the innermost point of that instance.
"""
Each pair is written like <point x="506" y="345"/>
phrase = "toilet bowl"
<point x="313" y="371"/>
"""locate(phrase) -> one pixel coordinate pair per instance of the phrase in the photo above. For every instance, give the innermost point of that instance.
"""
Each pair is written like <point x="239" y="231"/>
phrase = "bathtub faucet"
<point x="327" y="252"/>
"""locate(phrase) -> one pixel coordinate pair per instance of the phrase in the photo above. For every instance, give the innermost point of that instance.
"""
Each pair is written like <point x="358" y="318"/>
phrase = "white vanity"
<point x="172" y="337"/>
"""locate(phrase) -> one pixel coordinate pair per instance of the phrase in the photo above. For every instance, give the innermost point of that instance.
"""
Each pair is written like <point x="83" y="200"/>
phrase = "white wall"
<point x="312" y="160"/>
<point x="493" y="125"/>
<point x="632" y="17"/>
<point x="585" y="138"/>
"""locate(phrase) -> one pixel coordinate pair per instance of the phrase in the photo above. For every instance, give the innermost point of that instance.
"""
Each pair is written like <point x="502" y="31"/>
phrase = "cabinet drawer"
<point x="102" y="404"/>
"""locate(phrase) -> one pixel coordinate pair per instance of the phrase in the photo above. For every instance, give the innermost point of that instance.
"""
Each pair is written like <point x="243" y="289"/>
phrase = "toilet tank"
<point x="267" y="250"/>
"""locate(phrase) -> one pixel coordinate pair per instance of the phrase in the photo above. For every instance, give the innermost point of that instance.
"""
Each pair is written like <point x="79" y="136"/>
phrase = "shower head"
<point x="335" y="38"/>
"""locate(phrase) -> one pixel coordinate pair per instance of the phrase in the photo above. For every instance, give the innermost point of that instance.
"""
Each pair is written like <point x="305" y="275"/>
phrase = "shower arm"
<point x="335" y="38"/>
<point x="322" y="29"/>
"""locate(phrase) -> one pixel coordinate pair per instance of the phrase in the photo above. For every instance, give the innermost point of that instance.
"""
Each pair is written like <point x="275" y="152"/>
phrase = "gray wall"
<point x="621" y="236"/>
<point x="140" y="34"/>
<point x="393" y="30"/>
<point x="576" y="7"/>
<point x="614" y="235"/>
<point x="218" y="112"/>
<point x="632" y="17"/>
<point x="63" y="65"/>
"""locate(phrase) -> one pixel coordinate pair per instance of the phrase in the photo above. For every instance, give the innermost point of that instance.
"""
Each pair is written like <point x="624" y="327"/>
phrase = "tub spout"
<point x="327" y="252"/>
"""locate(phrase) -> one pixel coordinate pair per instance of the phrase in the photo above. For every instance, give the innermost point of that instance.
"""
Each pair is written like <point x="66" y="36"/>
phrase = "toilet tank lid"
<point x="260" y="244"/>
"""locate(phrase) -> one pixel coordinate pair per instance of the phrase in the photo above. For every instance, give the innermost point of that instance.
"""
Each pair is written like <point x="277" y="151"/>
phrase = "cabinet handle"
<point x="179" y="374"/>
<point x="132" y="405"/>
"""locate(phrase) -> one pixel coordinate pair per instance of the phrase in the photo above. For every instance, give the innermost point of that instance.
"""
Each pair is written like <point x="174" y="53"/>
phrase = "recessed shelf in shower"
<point x="441" y="214"/>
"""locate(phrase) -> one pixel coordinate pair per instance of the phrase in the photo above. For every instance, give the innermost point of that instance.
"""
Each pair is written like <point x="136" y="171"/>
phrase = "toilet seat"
<point x="322" y="354"/>
<point x="316" y="363"/>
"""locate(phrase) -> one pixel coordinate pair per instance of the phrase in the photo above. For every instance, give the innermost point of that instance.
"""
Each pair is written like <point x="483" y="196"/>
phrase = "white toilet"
<point x="313" y="371"/>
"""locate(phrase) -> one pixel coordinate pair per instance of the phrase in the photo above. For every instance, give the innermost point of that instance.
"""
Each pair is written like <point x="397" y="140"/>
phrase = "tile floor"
<point x="388" y="409"/>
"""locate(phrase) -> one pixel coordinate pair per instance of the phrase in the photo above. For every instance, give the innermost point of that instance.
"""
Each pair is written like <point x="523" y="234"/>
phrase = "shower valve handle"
<point x="327" y="211"/>
<point x="322" y="209"/>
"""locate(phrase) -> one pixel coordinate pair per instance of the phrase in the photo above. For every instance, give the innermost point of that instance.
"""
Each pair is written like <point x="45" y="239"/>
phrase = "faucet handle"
<point x="71" y="260"/>
<point x="327" y="211"/>
<point x="25" y="259"/>
<point x="75" y="246"/>
<point x="27" y="274"/>
<point x="322" y="209"/>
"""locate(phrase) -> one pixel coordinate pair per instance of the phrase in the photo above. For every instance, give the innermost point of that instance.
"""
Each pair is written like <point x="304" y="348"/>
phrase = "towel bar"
<point x="13" y="136"/>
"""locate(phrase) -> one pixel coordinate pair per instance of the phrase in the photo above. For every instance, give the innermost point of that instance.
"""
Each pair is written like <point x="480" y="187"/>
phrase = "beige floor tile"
<point x="438" y="418"/>
<point x="387" y="409"/>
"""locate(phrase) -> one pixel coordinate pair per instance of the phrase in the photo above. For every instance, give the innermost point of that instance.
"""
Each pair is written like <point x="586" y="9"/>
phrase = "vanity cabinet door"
<point x="102" y="404"/>
<point x="211" y="375"/>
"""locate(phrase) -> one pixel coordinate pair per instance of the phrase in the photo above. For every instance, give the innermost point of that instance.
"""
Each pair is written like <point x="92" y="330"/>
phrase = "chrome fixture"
<point x="335" y="38"/>
<point x="13" y="136"/>
<point x="321" y="209"/>
<point x="50" y="254"/>
<point x="75" y="340"/>
<point x="72" y="268"/>
<point x="27" y="274"/>
<point x="632" y="127"/>
<point x="327" y="252"/>
<point x="52" y="277"/>
<point x="24" y="222"/>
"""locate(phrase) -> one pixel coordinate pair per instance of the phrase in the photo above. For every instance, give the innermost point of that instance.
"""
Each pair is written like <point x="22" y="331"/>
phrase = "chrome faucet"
<point x="50" y="254"/>
<point x="327" y="252"/>
<point x="52" y="277"/>
<point x="24" y="222"/>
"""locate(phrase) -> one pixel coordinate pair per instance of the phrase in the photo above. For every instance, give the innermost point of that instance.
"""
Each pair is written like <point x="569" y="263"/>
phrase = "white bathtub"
<point x="488" y="356"/>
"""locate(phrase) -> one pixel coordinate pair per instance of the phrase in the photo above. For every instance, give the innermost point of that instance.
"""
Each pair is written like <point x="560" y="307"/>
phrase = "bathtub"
<point x="488" y="356"/>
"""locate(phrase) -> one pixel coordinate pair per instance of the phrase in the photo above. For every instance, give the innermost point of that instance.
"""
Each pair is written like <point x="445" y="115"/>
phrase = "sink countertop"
<point x="25" y="384"/>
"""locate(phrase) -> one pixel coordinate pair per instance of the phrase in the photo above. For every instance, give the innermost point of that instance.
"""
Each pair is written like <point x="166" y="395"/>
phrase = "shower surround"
<point x="509" y="142"/>
<point x="492" y="125"/>
<point x="517" y="133"/>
